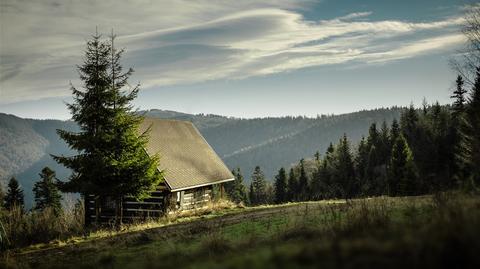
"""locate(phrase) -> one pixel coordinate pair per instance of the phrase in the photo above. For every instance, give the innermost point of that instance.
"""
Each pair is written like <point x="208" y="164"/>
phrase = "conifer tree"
<point x="14" y="196"/>
<point x="292" y="186"/>
<point x="473" y="131"/>
<point x="394" y="133"/>
<point x="112" y="161"/>
<point x="251" y="195"/>
<point x="303" y="182"/>
<point x="361" y="162"/>
<point x="46" y="192"/>
<point x="402" y="170"/>
<point x="344" y="169"/>
<point x="458" y="106"/>
<point x="235" y="189"/>
<point x="258" y="187"/>
<point x="329" y="188"/>
<point x="384" y="144"/>
<point x="409" y="123"/>
<point x="459" y="132"/>
<point x="281" y="186"/>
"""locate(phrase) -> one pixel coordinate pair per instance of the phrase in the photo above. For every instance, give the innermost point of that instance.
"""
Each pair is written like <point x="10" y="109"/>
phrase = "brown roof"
<point x="185" y="156"/>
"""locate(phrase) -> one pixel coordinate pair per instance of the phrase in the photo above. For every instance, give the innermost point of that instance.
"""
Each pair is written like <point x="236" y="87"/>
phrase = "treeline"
<point x="434" y="148"/>
<point x="47" y="195"/>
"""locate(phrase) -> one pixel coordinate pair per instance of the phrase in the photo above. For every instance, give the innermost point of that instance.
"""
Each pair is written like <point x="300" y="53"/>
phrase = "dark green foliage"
<point x="258" y="188"/>
<point x="402" y="172"/>
<point x="14" y="196"/>
<point x="236" y="190"/>
<point x="458" y="106"/>
<point x="292" y="186"/>
<point x="344" y="173"/>
<point x="458" y="131"/>
<point x="112" y="160"/>
<point x="303" y="188"/>
<point x="46" y="192"/>
<point x="281" y="189"/>
<point x="473" y="131"/>
<point x="227" y="135"/>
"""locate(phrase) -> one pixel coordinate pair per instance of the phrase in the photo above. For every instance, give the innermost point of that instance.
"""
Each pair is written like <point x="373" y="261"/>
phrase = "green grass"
<point x="440" y="231"/>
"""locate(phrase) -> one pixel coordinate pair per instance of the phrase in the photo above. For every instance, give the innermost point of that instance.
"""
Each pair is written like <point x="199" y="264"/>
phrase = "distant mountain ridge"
<point x="26" y="144"/>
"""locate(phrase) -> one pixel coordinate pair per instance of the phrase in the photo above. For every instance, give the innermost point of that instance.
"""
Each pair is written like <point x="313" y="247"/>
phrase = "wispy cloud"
<point x="193" y="41"/>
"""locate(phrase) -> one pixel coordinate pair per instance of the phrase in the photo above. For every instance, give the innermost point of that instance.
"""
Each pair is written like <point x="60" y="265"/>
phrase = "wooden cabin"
<point x="193" y="173"/>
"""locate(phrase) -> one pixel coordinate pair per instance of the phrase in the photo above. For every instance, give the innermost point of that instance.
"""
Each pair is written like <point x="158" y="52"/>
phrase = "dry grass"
<point x="24" y="232"/>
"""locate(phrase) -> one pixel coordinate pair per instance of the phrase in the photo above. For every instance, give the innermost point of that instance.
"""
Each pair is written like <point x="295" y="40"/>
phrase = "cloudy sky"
<point x="236" y="58"/>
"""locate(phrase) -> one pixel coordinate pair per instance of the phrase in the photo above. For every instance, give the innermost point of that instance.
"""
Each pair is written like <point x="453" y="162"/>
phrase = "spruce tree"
<point x="281" y="186"/>
<point x="344" y="169"/>
<point x="361" y="162"/>
<point x="459" y="132"/>
<point x="329" y="188"/>
<point x="259" y="187"/>
<point x="458" y="106"/>
<point x="384" y="144"/>
<point x="112" y="161"/>
<point x="473" y="131"/>
<point x="14" y="196"/>
<point x="230" y="186"/>
<point x="251" y="195"/>
<point x="402" y="170"/>
<point x="292" y="186"/>
<point x="303" y="182"/>
<point x="394" y="133"/>
<point x="235" y="189"/>
<point x="46" y="192"/>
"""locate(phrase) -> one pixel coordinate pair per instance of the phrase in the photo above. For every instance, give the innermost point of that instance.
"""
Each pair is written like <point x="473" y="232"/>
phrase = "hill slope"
<point x="26" y="145"/>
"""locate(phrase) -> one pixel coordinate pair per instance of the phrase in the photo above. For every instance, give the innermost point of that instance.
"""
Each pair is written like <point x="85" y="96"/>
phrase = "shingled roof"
<point x="185" y="156"/>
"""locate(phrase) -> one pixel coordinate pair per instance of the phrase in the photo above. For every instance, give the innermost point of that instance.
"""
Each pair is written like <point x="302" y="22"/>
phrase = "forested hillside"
<point x="26" y="144"/>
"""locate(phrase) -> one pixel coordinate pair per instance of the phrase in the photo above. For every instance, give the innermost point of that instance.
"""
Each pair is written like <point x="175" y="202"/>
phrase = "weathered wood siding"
<point x="153" y="206"/>
<point x="193" y="198"/>
<point x="161" y="202"/>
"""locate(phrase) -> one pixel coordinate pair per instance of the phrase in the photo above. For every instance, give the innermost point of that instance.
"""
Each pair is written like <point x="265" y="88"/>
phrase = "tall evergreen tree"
<point x="458" y="106"/>
<point x="344" y="169"/>
<point x="473" y="133"/>
<point x="402" y="176"/>
<point x="112" y="161"/>
<point x="292" y="186"/>
<point x="281" y="186"/>
<point x="384" y="144"/>
<point x="361" y="162"/>
<point x="14" y="197"/>
<point x="303" y="182"/>
<point x="46" y="192"/>
<point x="251" y="195"/>
<point x="259" y="187"/>
<point x="235" y="189"/>
<point x="459" y="132"/>
<point x="394" y="133"/>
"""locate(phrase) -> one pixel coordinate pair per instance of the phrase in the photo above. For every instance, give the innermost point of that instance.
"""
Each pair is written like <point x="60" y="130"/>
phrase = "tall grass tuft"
<point x="20" y="229"/>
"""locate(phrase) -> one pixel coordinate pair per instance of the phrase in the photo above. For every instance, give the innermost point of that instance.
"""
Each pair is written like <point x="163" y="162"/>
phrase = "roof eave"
<point x="201" y="185"/>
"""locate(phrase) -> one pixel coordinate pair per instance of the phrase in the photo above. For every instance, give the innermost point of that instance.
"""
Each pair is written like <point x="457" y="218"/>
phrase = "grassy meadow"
<point x="426" y="231"/>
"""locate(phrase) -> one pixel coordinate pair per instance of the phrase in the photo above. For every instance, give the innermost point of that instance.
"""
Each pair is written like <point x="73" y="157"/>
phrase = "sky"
<point x="236" y="58"/>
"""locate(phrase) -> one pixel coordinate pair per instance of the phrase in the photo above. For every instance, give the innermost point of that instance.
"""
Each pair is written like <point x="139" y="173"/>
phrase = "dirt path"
<point x="191" y="228"/>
